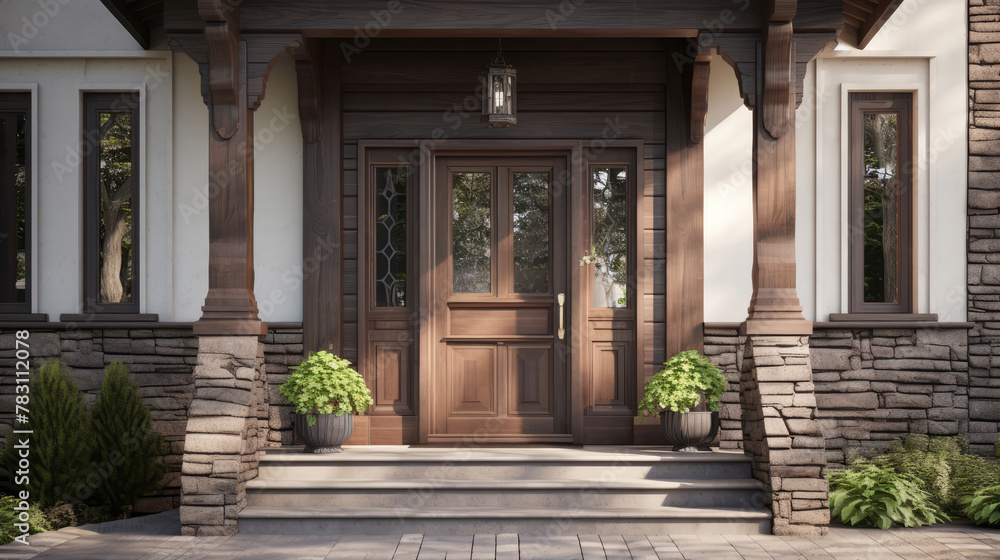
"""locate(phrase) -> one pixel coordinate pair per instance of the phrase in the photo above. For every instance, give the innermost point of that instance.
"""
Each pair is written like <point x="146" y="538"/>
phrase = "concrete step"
<point x="538" y="490"/>
<point x="524" y="520"/>
<point x="553" y="493"/>
<point x="428" y="463"/>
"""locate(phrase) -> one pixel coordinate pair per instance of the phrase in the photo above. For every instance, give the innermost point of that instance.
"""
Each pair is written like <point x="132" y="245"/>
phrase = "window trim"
<point x="21" y="100"/>
<point x="902" y="103"/>
<point x="93" y="103"/>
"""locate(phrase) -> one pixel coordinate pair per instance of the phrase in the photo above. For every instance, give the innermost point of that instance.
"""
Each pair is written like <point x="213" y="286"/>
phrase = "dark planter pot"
<point x="689" y="431"/>
<point x="327" y="434"/>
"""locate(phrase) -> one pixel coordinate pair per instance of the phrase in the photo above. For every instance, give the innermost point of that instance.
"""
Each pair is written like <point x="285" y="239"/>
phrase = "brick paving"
<point x="157" y="537"/>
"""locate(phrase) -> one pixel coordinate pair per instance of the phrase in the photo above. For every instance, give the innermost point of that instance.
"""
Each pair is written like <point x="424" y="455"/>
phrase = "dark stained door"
<point x="501" y="362"/>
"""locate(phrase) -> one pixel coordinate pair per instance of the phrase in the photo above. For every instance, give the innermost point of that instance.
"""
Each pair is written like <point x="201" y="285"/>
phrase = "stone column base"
<point x="227" y="425"/>
<point x="781" y="433"/>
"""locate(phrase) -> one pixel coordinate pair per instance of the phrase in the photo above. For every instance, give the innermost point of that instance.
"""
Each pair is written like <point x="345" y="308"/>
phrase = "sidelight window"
<point x="609" y="256"/>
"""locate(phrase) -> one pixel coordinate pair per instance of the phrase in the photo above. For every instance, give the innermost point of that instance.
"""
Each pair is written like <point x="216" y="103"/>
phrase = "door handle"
<point x="561" y="298"/>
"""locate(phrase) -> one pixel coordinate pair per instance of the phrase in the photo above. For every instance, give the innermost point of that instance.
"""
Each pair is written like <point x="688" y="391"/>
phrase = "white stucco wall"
<point x="277" y="195"/>
<point x="70" y="25"/>
<point x="728" y="186"/>
<point x="923" y="49"/>
<point x="58" y="85"/>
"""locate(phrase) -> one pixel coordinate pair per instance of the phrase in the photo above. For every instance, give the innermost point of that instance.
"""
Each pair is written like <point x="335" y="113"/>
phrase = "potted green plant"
<point x="326" y="393"/>
<point x="685" y="381"/>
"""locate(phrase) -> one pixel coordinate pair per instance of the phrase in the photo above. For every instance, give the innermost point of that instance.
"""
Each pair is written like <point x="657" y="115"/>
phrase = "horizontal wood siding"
<point x="598" y="90"/>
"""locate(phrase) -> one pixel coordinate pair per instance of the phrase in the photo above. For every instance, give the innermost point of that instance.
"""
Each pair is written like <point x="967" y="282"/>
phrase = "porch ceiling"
<point x="861" y="19"/>
<point x="137" y="16"/>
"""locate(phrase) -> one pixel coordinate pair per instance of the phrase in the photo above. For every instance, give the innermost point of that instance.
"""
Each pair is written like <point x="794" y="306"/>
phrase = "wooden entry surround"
<point x="497" y="231"/>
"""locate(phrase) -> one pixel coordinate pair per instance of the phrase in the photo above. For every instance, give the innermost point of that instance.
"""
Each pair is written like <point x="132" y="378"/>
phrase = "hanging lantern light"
<point x="499" y="85"/>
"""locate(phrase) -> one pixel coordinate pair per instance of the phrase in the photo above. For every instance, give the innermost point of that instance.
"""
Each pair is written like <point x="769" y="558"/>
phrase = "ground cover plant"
<point x="920" y="480"/>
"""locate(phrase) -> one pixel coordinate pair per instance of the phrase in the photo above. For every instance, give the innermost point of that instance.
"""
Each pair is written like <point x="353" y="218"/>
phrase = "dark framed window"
<point x="881" y="203"/>
<point x="111" y="203"/>
<point x="15" y="203"/>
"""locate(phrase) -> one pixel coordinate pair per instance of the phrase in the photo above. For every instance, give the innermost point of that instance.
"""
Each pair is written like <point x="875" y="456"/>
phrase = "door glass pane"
<point x="390" y="236"/>
<point x="115" y="211"/>
<point x="471" y="233"/>
<point x="531" y="233"/>
<point x="13" y="204"/>
<point x="609" y="256"/>
<point x="882" y="212"/>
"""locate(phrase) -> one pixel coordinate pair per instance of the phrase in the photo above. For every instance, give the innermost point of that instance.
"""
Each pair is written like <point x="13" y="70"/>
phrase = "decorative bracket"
<point x="222" y="35"/>
<point x="699" y="96"/>
<point x="306" y="53"/>
<point x="778" y="110"/>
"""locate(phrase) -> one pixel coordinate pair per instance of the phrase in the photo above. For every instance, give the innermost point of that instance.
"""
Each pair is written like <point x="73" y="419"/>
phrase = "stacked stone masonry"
<point x="282" y="349"/>
<point x="782" y="435"/>
<point x="161" y="361"/>
<point x="226" y="429"/>
<point x="872" y="386"/>
<point x="984" y="221"/>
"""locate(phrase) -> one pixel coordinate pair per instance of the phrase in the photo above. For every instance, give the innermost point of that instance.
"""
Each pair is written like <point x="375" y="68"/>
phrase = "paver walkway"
<point x="156" y="537"/>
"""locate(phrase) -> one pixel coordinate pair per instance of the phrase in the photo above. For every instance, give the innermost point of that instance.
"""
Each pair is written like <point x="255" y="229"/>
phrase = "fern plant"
<point x="983" y="507"/>
<point x="326" y="384"/>
<point x="869" y="495"/>
<point x="948" y="472"/>
<point x="682" y="383"/>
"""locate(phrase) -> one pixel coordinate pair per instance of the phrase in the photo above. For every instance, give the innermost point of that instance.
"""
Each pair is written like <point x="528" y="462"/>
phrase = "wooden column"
<point x="230" y="306"/>
<point x="685" y="183"/>
<point x="774" y="307"/>
<point x="318" y="76"/>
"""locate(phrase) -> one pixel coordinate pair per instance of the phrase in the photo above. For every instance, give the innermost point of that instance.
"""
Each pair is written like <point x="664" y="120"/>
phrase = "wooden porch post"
<point x="774" y="307"/>
<point x="318" y="76"/>
<point x="779" y="417"/>
<point x="230" y="306"/>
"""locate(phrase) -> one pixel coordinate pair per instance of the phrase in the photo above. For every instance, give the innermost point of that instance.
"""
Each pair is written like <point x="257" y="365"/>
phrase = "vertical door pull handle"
<point x="561" y="298"/>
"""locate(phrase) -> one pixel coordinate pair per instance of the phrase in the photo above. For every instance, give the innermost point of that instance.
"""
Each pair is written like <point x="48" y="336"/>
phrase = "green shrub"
<point x="61" y="442"/>
<point x="9" y="516"/>
<point x="680" y="385"/>
<point x="983" y="507"/>
<point x="869" y="495"/>
<point x="945" y="467"/>
<point x="128" y="455"/>
<point x="326" y="384"/>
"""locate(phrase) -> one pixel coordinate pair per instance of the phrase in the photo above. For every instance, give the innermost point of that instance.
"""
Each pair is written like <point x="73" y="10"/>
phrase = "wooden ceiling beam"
<point x="125" y="16"/>
<point x="868" y="29"/>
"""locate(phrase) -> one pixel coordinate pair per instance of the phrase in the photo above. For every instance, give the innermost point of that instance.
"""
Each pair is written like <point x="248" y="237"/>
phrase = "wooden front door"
<point x="500" y="254"/>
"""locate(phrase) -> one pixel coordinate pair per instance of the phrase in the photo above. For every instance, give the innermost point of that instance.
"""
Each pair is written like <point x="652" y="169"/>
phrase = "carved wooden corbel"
<point x="777" y="112"/>
<point x="699" y="96"/>
<point x="222" y="35"/>
<point x="777" y="106"/>
<point x="306" y="54"/>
